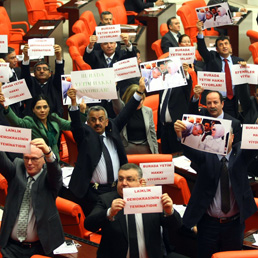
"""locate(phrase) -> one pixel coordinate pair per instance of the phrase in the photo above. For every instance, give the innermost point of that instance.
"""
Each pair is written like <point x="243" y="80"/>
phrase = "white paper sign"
<point x="212" y="80"/>
<point x="15" y="139"/>
<point x="249" y="137"/>
<point x="244" y="74"/>
<point x="66" y="85"/>
<point x="158" y="173"/>
<point x="96" y="84"/>
<point x="206" y="133"/>
<point x="3" y="44"/>
<point x="142" y="199"/>
<point x="42" y="47"/>
<point x="186" y="54"/>
<point x="163" y="73"/>
<point x="108" y="33"/>
<point x="126" y="69"/>
<point x="15" y="91"/>
<point x="4" y="72"/>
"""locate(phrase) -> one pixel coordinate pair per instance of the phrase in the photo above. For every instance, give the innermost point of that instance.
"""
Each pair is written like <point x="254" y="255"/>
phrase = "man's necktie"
<point x="108" y="60"/>
<point x="133" y="242"/>
<point x="23" y="218"/>
<point x="228" y="80"/>
<point x="108" y="161"/>
<point x="224" y="187"/>
<point x="164" y="106"/>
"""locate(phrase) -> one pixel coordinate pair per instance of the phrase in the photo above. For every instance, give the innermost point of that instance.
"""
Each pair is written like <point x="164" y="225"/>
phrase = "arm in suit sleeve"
<point x="141" y="5"/>
<point x="90" y="58"/>
<point x="59" y="70"/>
<point x="165" y="44"/>
<point x="193" y="107"/>
<point x="244" y="97"/>
<point x="202" y="48"/>
<point x="7" y="167"/>
<point x="153" y="134"/>
<point x="25" y="73"/>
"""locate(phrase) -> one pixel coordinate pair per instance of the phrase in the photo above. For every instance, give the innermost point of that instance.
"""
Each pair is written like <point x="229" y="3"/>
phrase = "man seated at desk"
<point x="117" y="239"/>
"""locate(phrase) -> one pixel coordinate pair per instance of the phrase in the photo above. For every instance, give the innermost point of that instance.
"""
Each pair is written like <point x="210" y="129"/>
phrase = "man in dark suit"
<point x="170" y="39"/>
<point x="91" y="173"/>
<point x="44" y="231"/>
<point x="214" y="103"/>
<point x="216" y="61"/>
<point x="169" y="111"/>
<point x="217" y="206"/>
<point x="108" y="215"/>
<point x="43" y="81"/>
<point x="108" y="54"/>
<point x="231" y="8"/>
<point x="138" y="6"/>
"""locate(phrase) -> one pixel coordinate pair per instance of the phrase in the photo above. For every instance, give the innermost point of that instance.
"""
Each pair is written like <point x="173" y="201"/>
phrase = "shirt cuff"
<point x="74" y="108"/>
<point x="51" y="159"/>
<point x="26" y="62"/>
<point x="137" y="97"/>
<point x="167" y="215"/>
<point x="110" y="218"/>
<point x="130" y="49"/>
<point x="59" y="61"/>
<point x="194" y="99"/>
<point x="200" y="36"/>
<point x="89" y="50"/>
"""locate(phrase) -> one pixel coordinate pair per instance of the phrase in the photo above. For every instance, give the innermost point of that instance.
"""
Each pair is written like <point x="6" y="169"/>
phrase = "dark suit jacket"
<point x="97" y="60"/>
<point x="167" y="41"/>
<point x="43" y="193"/>
<point x="207" y="182"/>
<point x="178" y="103"/>
<point x="213" y="63"/>
<point x="90" y="146"/>
<point x="231" y="8"/>
<point x="52" y="89"/>
<point x="137" y="5"/>
<point x="114" y="241"/>
<point x="236" y="125"/>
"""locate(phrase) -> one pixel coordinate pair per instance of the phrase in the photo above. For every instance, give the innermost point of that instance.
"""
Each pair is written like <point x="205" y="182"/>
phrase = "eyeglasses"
<point x="40" y="68"/>
<point x="128" y="179"/>
<point x="33" y="160"/>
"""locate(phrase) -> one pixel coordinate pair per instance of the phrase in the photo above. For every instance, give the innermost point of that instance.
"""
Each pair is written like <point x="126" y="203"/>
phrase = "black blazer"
<point x="137" y="5"/>
<point x="236" y="125"/>
<point x="97" y="60"/>
<point x="167" y="41"/>
<point x="209" y="168"/>
<point x="178" y="103"/>
<point x="52" y="89"/>
<point x="90" y="146"/>
<point x="231" y="8"/>
<point x="43" y="193"/>
<point x="213" y="63"/>
<point x="114" y="241"/>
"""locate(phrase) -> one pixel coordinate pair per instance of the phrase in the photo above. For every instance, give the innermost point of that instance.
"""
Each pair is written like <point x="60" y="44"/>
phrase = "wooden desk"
<point x="74" y="11"/>
<point x="87" y="249"/>
<point x="249" y="240"/>
<point x="237" y="34"/>
<point x="56" y="33"/>
<point x="153" y="21"/>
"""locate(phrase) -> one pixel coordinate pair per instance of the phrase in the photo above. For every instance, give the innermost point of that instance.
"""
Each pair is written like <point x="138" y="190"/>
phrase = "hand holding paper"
<point x="167" y="204"/>
<point x="71" y="93"/>
<point x="2" y="98"/>
<point x="125" y="38"/>
<point x="199" y="26"/>
<point x="117" y="205"/>
<point x="185" y="67"/>
<point x="198" y="89"/>
<point x="141" y="85"/>
<point x="93" y="40"/>
<point x="58" y="52"/>
<point x="179" y="127"/>
<point x="25" y="53"/>
<point x="40" y="143"/>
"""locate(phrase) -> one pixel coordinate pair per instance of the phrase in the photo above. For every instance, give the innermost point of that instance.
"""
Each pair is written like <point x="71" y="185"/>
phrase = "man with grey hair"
<point x="101" y="151"/>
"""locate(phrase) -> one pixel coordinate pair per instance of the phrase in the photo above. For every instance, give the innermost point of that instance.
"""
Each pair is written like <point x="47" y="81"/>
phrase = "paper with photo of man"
<point x="163" y="74"/>
<point x="206" y="133"/>
<point x="214" y="15"/>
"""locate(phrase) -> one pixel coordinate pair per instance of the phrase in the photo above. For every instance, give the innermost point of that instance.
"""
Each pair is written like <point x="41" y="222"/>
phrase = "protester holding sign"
<point x="117" y="237"/>
<point x="43" y="123"/>
<point x="44" y="82"/>
<point x="221" y="60"/>
<point x="139" y="135"/>
<point x="222" y="198"/>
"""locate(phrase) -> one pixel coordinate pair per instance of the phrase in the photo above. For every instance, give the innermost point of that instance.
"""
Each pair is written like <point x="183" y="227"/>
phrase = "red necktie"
<point x="228" y="80"/>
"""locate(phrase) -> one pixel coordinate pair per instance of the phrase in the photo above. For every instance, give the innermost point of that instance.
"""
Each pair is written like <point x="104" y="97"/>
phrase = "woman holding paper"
<point x="139" y="135"/>
<point x="43" y="123"/>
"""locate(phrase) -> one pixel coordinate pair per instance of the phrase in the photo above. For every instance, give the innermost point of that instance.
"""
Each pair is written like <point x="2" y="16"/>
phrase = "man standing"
<point x="31" y="224"/>
<point x="109" y="54"/>
<point x="221" y="61"/>
<point x="43" y="81"/>
<point x="170" y="39"/>
<point x="222" y="198"/>
<point x="101" y="151"/>
<point x="117" y="240"/>
<point x="214" y="104"/>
